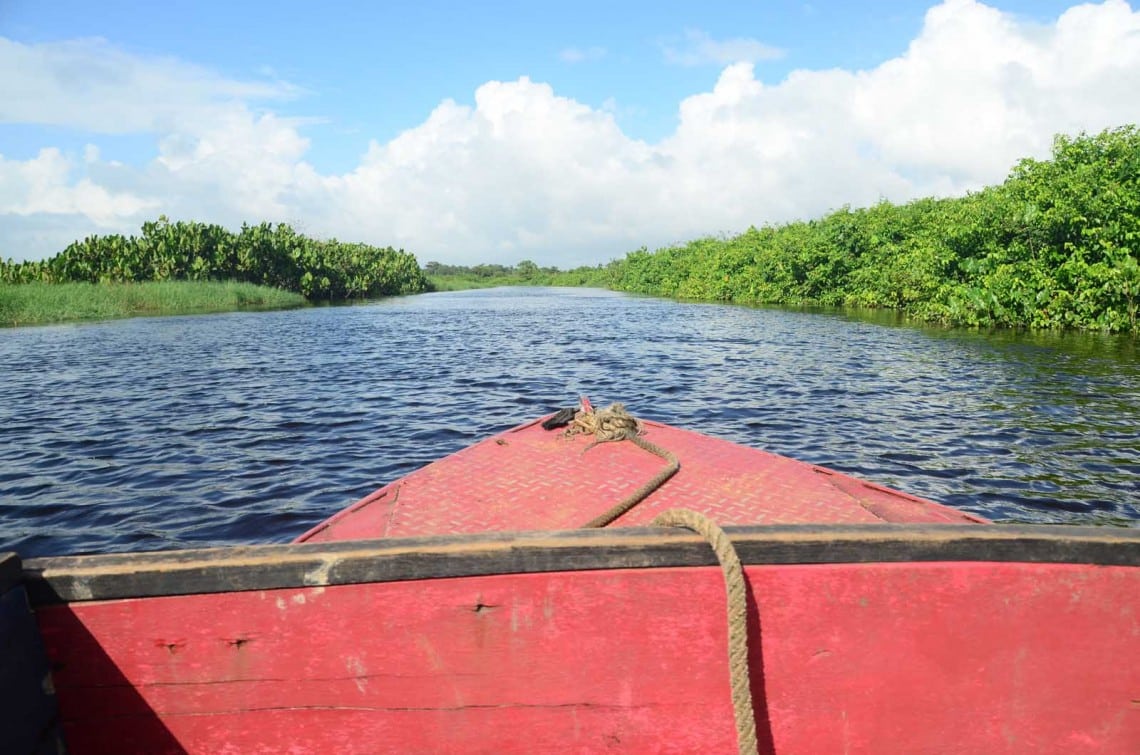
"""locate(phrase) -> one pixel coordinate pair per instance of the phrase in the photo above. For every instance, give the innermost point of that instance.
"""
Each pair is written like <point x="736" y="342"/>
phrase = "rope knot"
<point x="609" y="424"/>
<point x="614" y="423"/>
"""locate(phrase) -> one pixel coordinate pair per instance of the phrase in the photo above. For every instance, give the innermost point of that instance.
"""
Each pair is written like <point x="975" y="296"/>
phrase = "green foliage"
<point x="1056" y="245"/>
<point x="265" y="255"/>
<point x="526" y="273"/>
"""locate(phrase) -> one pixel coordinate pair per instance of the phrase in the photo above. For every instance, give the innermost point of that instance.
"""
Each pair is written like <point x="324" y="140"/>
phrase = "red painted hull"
<point x="532" y="479"/>
<point x="889" y="624"/>
<point x="944" y="657"/>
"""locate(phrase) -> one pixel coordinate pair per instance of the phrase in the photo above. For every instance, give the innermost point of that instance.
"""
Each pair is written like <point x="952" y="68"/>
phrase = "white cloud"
<point x="700" y="49"/>
<point x="254" y="160"/>
<point x="525" y="173"/>
<point x="89" y="84"/>
<point x="977" y="89"/>
<point x="44" y="185"/>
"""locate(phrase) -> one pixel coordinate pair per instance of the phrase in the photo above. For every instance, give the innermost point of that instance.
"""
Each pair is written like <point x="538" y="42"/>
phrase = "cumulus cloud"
<point x="45" y="184"/>
<point x="700" y="49"/>
<point x="522" y="172"/>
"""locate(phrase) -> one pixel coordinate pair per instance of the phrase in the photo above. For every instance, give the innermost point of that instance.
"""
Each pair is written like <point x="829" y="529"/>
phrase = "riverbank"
<point x="321" y="270"/>
<point x="44" y="303"/>
<point x="467" y="278"/>
<point x="1053" y="247"/>
<point x="467" y="282"/>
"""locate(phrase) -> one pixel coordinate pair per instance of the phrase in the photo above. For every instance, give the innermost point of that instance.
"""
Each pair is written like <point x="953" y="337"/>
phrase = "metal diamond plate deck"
<point x="532" y="479"/>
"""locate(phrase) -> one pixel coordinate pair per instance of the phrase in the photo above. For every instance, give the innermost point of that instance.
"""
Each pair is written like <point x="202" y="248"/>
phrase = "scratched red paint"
<point x="931" y="657"/>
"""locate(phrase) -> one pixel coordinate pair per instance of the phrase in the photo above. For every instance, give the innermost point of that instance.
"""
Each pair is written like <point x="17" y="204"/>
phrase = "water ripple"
<point x="172" y="432"/>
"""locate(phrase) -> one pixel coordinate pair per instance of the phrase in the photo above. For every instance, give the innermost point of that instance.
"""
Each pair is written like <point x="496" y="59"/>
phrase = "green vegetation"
<point x="264" y="254"/>
<point x="182" y="268"/>
<point x="1055" y="246"/>
<point x="526" y="273"/>
<point x="40" y="303"/>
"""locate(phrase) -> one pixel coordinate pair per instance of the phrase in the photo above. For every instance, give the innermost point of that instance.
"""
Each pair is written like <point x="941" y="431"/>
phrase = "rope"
<point x="737" y="618"/>
<point x="615" y="424"/>
<point x="611" y="424"/>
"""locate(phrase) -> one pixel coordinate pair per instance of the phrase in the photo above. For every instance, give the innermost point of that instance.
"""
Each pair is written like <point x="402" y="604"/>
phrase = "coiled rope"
<point x="614" y="423"/>
<point x="737" y="618"/>
<point x="611" y="424"/>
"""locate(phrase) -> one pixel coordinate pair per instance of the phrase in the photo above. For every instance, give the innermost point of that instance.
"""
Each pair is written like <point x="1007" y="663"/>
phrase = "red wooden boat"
<point x="463" y="608"/>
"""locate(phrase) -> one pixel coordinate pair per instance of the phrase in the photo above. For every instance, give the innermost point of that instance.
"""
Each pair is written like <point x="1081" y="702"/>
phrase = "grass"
<point x="42" y="303"/>
<point x="466" y="282"/>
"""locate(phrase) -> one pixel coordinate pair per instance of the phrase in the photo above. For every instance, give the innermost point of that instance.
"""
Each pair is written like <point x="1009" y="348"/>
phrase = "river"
<point x="250" y="427"/>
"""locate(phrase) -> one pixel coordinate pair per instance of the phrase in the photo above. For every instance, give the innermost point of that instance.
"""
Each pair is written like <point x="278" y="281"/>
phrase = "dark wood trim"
<point x="10" y="571"/>
<point x="28" y="712"/>
<point x="264" y="567"/>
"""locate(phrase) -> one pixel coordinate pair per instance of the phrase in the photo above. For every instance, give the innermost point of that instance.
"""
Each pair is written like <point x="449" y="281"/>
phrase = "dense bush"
<point x="526" y="273"/>
<point x="1055" y="246"/>
<point x="263" y="254"/>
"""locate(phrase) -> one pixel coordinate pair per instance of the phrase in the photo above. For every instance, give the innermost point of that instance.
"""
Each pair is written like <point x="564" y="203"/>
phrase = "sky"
<point x="565" y="134"/>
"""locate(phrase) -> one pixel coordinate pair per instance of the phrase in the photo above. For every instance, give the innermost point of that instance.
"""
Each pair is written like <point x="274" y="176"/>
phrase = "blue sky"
<point x="363" y="120"/>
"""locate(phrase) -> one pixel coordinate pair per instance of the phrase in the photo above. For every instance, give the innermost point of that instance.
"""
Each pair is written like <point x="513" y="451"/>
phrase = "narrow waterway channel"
<point x="249" y="427"/>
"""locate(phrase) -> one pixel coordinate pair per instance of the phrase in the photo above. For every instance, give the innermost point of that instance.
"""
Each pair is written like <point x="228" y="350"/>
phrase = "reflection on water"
<point x="250" y="427"/>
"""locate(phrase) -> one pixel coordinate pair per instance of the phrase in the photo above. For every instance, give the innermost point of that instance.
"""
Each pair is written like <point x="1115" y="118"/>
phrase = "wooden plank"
<point x="871" y="657"/>
<point x="83" y="578"/>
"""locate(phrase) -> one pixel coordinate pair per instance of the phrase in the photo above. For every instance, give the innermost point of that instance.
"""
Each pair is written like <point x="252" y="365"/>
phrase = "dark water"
<point x="172" y="432"/>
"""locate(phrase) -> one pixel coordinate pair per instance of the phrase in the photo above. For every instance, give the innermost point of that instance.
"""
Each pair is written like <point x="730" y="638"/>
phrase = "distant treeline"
<point x="443" y="277"/>
<point x="1055" y="246"/>
<point x="265" y="254"/>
